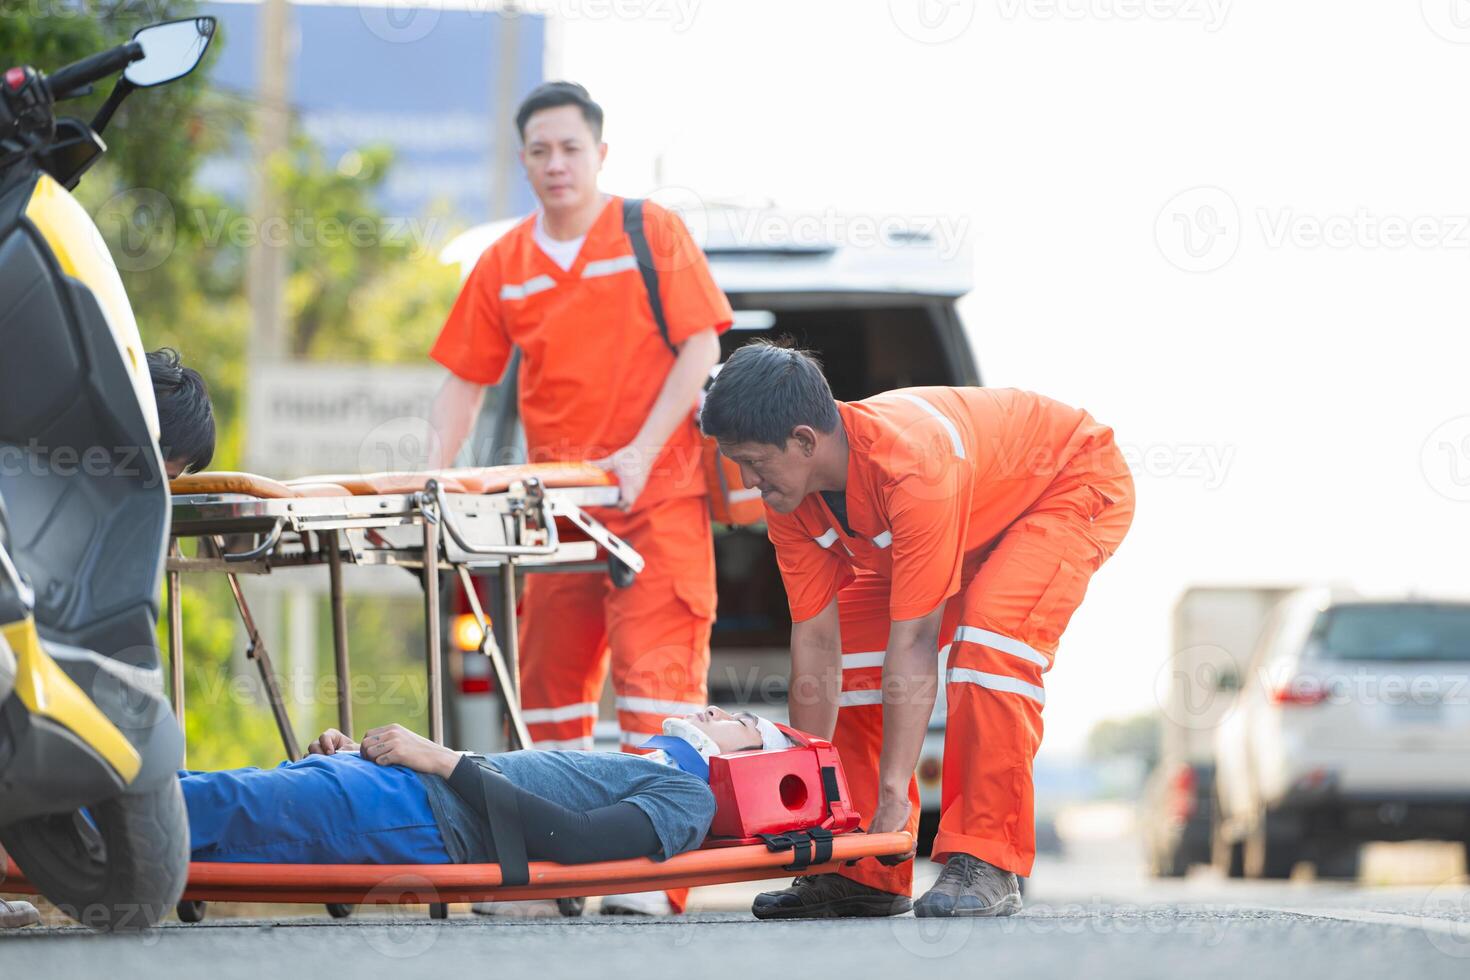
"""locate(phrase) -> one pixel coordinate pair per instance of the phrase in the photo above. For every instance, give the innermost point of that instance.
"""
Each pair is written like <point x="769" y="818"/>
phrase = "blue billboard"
<point x="418" y="79"/>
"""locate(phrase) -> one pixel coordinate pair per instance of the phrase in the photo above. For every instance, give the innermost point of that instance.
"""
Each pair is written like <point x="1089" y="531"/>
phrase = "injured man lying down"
<point x="398" y="798"/>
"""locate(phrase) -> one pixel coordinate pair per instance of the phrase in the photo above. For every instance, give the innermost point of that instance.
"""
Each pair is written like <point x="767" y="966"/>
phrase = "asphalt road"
<point x="1090" y="916"/>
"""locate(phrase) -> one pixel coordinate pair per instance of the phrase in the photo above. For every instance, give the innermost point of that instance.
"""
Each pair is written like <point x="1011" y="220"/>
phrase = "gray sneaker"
<point x="970" y="886"/>
<point x="828" y="896"/>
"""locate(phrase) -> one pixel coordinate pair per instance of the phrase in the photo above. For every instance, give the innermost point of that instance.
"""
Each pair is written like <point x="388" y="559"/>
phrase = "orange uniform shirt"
<point x="934" y="476"/>
<point x="592" y="359"/>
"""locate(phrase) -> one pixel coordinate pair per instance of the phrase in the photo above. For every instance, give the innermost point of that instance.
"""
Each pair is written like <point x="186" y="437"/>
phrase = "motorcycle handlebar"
<point x="67" y="80"/>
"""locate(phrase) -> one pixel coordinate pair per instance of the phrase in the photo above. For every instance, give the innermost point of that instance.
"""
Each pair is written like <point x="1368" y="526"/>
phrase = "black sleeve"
<point x="554" y="833"/>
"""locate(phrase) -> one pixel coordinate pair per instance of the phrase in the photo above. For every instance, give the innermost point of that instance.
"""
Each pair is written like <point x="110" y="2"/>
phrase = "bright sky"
<point x="1297" y="406"/>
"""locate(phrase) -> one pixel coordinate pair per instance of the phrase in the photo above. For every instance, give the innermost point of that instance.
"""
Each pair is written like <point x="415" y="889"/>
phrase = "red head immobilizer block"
<point x="773" y="792"/>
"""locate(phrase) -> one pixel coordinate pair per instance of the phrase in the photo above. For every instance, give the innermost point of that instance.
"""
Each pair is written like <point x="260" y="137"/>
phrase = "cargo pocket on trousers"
<point x="699" y="597"/>
<point x="1059" y="600"/>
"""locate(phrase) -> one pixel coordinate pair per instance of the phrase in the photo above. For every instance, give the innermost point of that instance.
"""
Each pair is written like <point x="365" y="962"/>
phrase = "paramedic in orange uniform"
<point x="919" y="524"/>
<point x="598" y="381"/>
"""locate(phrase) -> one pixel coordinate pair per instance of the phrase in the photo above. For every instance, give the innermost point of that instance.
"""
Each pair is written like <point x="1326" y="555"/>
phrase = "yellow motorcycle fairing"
<point x="47" y="692"/>
<point x="83" y="255"/>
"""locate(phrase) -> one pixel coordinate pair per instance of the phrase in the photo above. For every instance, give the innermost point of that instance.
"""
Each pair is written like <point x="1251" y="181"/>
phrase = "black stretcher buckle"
<point x="808" y="847"/>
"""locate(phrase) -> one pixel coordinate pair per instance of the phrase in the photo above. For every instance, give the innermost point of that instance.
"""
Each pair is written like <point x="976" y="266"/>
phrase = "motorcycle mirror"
<point x="170" y="51"/>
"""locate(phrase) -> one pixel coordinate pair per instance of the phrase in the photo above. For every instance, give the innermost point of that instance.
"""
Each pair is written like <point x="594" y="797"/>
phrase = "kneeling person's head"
<point x="185" y="415"/>
<point x="769" y="408"/>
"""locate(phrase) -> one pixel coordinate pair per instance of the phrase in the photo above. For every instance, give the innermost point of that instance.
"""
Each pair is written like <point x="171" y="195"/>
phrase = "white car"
<point x="1352" y="725"/>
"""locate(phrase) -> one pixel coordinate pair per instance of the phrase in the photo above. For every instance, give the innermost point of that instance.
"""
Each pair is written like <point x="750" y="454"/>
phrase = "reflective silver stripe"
<point x="996" y="682"/>
<point x="826" y="540"/>
<point x="884" y="540"/>
<point x="855" y="661"/>
<point x="653" y="706"/>
<point x="573" y="744"/>
<point x="954" y="434"/>
<point x="528" y="288"/>
<point x="974" y="634"/>
<point x="848" y="699"/>
<point x="741" y="496"/>
<point x="608" y="267"/>
<point x="564" y="712"/>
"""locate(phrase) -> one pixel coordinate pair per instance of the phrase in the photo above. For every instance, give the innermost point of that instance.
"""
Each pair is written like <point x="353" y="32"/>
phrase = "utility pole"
<point x="267" y="267"/>
<point x="265" y="282"/>
<point x="505" y="140"/>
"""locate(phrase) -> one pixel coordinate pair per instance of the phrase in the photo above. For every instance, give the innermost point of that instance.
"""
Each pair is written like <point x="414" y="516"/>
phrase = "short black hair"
<point x="185" y="415"/>
<point x="550" y="95"/>
<point x="766" y="389"/>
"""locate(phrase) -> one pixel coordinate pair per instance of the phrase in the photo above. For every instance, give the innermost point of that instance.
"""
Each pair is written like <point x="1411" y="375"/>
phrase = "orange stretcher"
<point x="501" y="519"/>
<point x="438" y="884"/>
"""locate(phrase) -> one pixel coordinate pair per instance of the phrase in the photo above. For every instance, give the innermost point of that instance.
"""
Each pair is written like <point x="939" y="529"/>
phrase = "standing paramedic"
<point x="599" y="380"/>
<point x="925" y="521"/>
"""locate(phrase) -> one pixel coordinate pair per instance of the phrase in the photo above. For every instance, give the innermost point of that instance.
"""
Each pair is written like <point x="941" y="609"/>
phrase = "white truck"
<point x="1215" y="631"/>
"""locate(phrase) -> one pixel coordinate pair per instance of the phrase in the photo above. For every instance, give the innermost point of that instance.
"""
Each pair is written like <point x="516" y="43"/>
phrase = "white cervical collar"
<point x="703" y="744"/>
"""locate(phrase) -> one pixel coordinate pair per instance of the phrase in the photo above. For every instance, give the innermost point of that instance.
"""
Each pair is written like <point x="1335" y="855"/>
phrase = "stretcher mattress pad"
<point x="469" y="480"/>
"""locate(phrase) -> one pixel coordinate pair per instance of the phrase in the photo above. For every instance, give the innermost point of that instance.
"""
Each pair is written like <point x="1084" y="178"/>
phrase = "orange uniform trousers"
<point x="999" y="635"/>
<point x="654" y="634"/>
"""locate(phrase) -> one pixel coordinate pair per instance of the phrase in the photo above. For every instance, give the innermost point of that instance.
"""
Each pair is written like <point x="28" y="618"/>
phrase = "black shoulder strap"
<point x="504" y="814"/>
<point x="633" y="228"/>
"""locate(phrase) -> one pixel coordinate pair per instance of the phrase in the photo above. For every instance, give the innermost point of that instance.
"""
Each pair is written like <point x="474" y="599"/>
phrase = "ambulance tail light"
<point x="1181" y="801"/>
<point x="466" y="633"/>
<point x="473" y="673"/>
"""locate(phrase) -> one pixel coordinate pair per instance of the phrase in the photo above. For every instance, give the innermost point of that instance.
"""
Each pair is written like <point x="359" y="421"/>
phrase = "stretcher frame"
<point x="426" y="530"/>
<point x="504" y="531"/>
<point x="439" y="884"/>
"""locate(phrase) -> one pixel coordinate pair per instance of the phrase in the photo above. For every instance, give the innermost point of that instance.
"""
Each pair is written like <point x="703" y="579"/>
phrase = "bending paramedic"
<point x="962" y="523"/>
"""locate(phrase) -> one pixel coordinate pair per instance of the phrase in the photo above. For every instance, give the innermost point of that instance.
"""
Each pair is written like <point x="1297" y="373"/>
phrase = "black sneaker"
<point x="970" y="886"/>
<point x="828" y="896"/>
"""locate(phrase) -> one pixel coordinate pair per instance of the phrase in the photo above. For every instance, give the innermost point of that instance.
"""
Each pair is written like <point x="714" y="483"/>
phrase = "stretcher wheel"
<point x="439" y="910"/>
<point x="191" y="911"/>
<point x="622" y="576"/>
<point x="339" y="910"/>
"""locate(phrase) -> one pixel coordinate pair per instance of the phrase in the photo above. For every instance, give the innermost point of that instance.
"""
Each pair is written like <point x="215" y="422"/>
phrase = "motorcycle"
<point x="90" y="806"/>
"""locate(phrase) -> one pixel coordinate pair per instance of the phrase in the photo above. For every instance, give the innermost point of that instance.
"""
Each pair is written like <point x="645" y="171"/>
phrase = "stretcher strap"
<point x="504" y="812"/>
<point x="808" y="847"/>
<point x="829" y="784"/>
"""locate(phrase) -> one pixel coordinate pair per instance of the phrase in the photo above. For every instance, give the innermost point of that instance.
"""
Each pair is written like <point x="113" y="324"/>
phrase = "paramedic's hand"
<point x="891" y="816"/>
<point x="630" y="465"/>
<point x="330" y="742"/>
<point x="394" y="745"/>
